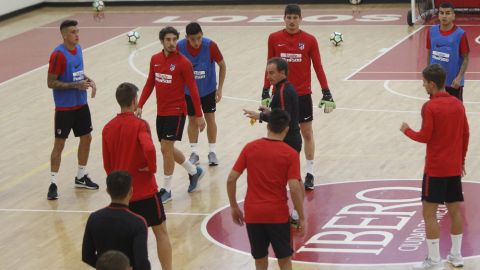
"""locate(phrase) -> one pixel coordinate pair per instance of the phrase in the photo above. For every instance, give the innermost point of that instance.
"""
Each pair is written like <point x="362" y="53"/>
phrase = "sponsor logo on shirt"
<point x="441" y="56"/>
<point x="172" y="67"/>
<point x="199" y="74"/>
<point x="291" y="57"/>
<point x="78" y="76"/>
<point x="301" y="46"/>
<point x="163" y="78"/>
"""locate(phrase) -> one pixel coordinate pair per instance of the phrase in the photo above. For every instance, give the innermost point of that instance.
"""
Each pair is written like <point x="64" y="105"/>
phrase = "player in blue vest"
<point x="203" y="53"/>
<point x="448" y="46"/>
<point x="70" y="84"/>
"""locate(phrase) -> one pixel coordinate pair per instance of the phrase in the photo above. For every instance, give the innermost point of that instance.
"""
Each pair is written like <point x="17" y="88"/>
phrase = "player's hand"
<point x="138" y="112"/>
<point x="263" y="108"/>
<point x="218" y="95"/>
<point x="456" y="82"/>
<point x="404" y="127"/>
<point x="301" y="225"/>
<point x="327" y="101"/>
<point x="94" y="88"/>
<point x="251" y="114"/>
<point x="83" y="84"/>
<point x="464" y="172"/>
<point x="201" y="123"/>
<point x="237" y="215"/>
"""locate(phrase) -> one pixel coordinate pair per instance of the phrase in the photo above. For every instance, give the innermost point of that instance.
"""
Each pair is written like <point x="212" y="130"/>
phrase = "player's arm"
<point x="222" y="69"/>
<point x="237" y="214"/>
<point x="147" y="89"/>
<point x="466" y="138"/>
<point x="297" y="191"/>
<point x="88" y="248"/>
<point x="266" y="83"/>
<point x="92" y="84"/>
<point x="106" y="153"/>
<point x="56" y="67"/>
<point x="327" y="101"/>
<point x="140" y="250"/>
<point x="425" y="133"/>
<point x="146" y="142"/>
<point x="428" y="46"/>
<point x="464" y="52"/>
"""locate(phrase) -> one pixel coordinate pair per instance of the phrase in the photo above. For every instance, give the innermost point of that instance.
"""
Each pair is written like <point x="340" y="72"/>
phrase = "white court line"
<point x="46" y="65"/>
<point x="86" y="211"/>
<point x="382" y="54"/>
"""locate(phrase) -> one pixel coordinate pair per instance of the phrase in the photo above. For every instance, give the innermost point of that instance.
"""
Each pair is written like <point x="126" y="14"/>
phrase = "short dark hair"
<point x="126" y="93"/>
<point x="113" y="260"/>
<point x="119" y="184"/>
<point x="193" y="28"/>
<point x="168" y="30"/>
<point x="280" y="63"/>
<point x="279" y="120"/>
<point x="435" y="73"/>
<point x="67" y="23"/>
<point x="293" y="9"/>
<point x="447" y="5"/>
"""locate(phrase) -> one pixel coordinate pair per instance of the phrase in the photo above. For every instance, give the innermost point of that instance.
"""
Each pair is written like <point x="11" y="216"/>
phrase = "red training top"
<point x="169" y="74"/>
<point x="299" y="50"/>
<point x="266" y="199"/>
<point x="127" y="145"/>
<point x="445" y="131"/>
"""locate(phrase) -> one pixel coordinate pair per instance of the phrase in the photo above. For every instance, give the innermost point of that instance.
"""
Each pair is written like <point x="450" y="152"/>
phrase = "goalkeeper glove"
<point x="266" y="100"/>
<point x="327" y="101"/>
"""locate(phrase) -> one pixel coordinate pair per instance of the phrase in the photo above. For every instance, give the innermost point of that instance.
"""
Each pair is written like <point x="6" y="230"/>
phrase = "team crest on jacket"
<point x="172" y="67"/>
<point x="301" y="45"/>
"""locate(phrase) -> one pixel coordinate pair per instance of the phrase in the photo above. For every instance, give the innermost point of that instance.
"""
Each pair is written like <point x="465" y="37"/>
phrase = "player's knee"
<point x="86" y="138"/>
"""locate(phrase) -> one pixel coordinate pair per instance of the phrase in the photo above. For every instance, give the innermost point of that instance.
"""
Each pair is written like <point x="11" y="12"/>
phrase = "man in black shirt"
<point x="284" y="97"/>
<point x="116" y="227"/>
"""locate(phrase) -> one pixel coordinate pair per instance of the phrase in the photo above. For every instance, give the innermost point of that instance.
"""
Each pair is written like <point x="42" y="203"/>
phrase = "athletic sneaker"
<point x="456" y="261"/>
<point x="195" y="178"/>
<point x="428" y="264"/>
<point x="85" y="182"/>
<point x="52" y="192"/>
<point x="212" y="159"/>
<point x="309" y="182"/>
<point x="165" y="196"/>
<point x="194" y="159"/>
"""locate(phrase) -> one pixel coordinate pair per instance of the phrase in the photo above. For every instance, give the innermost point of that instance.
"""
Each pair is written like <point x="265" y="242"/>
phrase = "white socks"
<point x="310" y="166"/>
<point x="191" y="169"/>
<point x="456" y="244"/>
<point x="82" y="170"/>
<point x="53" y="177"/>
<point x="193" y="148"/>
<point x="167" y="182"/>
<point x="434" y="249"/>
<point x="211" y="147"/>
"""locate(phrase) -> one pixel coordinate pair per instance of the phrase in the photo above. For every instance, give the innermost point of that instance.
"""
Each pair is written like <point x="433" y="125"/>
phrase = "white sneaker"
<point x="456" y="261"/>
<point x="428" y="264"/>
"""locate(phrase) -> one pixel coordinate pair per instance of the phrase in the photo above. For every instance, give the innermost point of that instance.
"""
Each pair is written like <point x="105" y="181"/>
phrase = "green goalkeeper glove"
<point x="266" y="100"/>
<point x="327" y="101"/>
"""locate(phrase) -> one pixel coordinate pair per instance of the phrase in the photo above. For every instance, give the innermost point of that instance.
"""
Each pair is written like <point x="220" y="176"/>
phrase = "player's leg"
<point x="279" y="235"/>
<point x="305" y="116"/>
<point x="259" y="243"/>
<point x="209" y="107"/>
<point x="192" y="131"/>
<point x="454" y="199"/>
<point x="82" y="128"/>
<point x="261" y="263"/>
<point x="164" y="248"/>
<point x="285" y="263"/>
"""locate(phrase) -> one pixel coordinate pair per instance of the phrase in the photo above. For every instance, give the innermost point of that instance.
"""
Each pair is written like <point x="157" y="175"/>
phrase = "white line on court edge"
<point x="383" y="53"/>
<point x="88" y="211"/>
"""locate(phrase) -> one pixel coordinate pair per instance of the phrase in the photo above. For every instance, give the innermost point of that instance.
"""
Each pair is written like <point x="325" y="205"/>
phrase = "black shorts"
<point x="294" y="139"/>
<point x="79" y="120"/>
<point x="208" y="104"/>
<point x="261" y="235"/>
<point x="305" y="109"/>
<point x="442" y="189"/>
<point x="151" y="209"/>
<point x="458" y="93"/>
<point x="170" y="127"/>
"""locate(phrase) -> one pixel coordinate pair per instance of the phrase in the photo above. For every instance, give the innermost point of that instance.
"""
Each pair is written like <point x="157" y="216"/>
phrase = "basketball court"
<point x="365" y="211"/>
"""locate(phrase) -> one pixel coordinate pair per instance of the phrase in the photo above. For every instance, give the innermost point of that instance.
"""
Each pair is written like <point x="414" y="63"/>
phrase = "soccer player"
<point x="203" y="53"/>
<point x="113" y="260"/>
<point x="300" y="50"/>
<point x="169" y="73"/>
<point x="271" y="164"/>
<point x="127" y="145"/>
<point x="69" y="83"/>
<point x="445" y="132"/>
<point x="116" y="228"/>
<point x="448" y="46"/>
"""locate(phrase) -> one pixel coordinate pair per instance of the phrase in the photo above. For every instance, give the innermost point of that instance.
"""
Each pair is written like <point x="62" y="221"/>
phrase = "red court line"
<point x="406" y="60"/>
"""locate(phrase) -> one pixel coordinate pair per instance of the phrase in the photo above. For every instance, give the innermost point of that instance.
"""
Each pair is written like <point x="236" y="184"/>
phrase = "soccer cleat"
<point x="194" y="159"/>
<point x="212" y="159"/>
<point x="165" y="196"/>
<point x="456" y="261"/>
<point x="195" y="178"/>
<point x="428" y="264"/>
<point x="52" y="192"/>
<point x="85" y="182"/>
<point x="309" y="182"/>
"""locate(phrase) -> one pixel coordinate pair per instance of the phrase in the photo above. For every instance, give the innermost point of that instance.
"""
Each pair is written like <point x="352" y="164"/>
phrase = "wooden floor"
<point x="360" y="140"/>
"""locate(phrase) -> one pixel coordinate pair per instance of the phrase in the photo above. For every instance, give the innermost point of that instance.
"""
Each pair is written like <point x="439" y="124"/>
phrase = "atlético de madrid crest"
<point x="172" y="67"/>
<point x="301" y="46"/>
